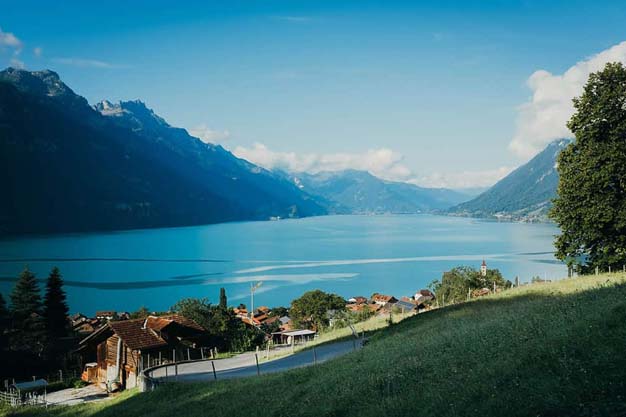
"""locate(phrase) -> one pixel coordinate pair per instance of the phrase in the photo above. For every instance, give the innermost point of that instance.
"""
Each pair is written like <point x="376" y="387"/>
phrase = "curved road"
<point x="245" y="365"/>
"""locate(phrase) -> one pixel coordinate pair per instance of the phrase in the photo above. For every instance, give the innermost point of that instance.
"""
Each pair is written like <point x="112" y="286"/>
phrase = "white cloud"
<point x="87" y="63"/>
<point x="543" y="118"/>
<point x="381" y="162"/>
<point x="294" y="19"/>
<point x="16" y="63"/>
<point x="463" y="179"/>
<point x="8" y="39"/>
<point x="207" y="135"/>
<point x="38" y="51"/>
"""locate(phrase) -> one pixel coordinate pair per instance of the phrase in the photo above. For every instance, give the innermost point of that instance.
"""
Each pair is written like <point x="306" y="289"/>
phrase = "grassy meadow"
<point x="552" y="349"/>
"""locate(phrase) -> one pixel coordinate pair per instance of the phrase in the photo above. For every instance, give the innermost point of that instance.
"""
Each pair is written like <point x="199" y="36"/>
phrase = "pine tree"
<point x="26" y="314"/>
<point x="223" y="300"/>
<point x="4" y="323"/>
<point x="55" y="311"/>
<point x="25" y="298"/>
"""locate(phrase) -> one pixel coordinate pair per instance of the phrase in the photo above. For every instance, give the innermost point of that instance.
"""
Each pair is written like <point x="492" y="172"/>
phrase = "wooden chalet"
<point x="120" y="348"/>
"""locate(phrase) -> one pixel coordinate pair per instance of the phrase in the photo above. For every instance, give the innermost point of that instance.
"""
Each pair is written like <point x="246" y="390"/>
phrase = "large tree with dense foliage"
<point x="312" y="308"/>
<point x="590" y="207"/>
<point x="26" y="310"/>
<point x="455" y="284"/>
<point x="224" y="329"/>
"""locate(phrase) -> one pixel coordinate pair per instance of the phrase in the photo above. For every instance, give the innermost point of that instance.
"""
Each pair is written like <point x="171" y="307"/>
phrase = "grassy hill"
<point x="555" y="349"/>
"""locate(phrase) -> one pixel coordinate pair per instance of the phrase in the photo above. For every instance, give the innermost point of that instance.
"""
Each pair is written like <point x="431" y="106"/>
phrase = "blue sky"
<point x="428" y="92"/>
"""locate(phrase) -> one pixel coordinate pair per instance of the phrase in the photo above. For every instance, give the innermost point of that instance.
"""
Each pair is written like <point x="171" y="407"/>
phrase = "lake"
<point x="348" y="255"/>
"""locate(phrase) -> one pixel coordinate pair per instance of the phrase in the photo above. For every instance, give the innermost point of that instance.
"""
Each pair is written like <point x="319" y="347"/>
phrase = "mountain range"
<point x="68" y="166"/>
<point x="360" y="192"/>
<point x="72" y="167"/>
<point x="524" y="194"/>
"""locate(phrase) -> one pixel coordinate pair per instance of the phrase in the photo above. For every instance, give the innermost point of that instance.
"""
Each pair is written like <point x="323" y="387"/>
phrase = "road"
<point x="245" y="364"/>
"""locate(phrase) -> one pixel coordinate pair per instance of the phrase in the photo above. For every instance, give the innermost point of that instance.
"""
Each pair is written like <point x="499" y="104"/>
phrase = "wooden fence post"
<point x="214" y="373"/>
<point x="314" y="356"/>
<point x="258" y="371"/>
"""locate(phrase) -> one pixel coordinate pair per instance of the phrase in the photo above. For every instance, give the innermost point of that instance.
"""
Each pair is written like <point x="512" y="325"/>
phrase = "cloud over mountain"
<point x="543" y="118"/>
<point x="382" y="162"/>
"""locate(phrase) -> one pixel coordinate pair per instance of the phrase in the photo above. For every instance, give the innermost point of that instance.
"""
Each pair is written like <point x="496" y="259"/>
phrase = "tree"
<point x="224" y="329"/>
<point x="142" y="313"/>
<point x="223" y="299"/>
<point x="4" y="323"/>
<point x="55" y="311"/>
<point x="456" y="283"/>
<point x="279" y="312"/>
<point x="313" y="306"/>
<point x="196" y="309"/>
<point x="26" y="314"/>
<point x="590" y="207"/>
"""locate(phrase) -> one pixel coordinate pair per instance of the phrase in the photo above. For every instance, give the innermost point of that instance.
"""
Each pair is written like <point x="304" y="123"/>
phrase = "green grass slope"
<point x="554" y="349"/>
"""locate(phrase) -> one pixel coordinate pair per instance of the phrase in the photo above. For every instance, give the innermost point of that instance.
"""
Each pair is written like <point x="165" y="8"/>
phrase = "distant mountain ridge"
<point x="524" y="194"/>
<point x="360" y="192"/>
<point x="70" y="167"/>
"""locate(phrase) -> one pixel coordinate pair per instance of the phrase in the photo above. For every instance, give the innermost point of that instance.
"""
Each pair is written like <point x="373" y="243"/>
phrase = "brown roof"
<point x="135" y="335"/>
<point x="184" y="321"/>
<point x="383" y="298"/>
<point x="145" y="333"/>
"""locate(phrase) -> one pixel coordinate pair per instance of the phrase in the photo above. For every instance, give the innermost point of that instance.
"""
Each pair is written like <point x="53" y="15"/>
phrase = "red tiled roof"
<point x="382" y="297"/>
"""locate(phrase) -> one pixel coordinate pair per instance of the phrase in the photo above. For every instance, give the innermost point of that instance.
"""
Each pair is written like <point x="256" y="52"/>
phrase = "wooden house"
<point x="120" y="348"/>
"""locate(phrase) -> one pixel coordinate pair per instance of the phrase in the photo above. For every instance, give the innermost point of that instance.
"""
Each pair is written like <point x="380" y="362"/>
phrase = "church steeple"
<point x="483" y="269"/>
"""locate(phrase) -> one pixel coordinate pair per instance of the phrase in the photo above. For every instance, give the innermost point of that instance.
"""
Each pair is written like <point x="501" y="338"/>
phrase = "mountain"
<point x="68" y="166"/>
<point x="360" y="192"/>
<point x="525" y="193"/>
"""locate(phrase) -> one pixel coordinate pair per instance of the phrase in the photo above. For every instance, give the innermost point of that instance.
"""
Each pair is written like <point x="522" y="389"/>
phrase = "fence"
<point x="169" y="369"/>
<point x="57" y="377"/>
<point x="15" y="399"/>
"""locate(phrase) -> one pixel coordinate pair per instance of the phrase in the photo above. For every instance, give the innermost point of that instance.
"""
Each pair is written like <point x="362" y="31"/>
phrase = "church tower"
<point x="483" y="269"/>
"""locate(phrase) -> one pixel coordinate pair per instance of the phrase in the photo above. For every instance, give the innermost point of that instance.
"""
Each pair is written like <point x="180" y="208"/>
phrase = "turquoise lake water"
<point x="348" y="255"/>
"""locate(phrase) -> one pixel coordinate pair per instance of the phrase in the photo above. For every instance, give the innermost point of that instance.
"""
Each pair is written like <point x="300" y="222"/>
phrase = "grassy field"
<point x="556" y="349"/>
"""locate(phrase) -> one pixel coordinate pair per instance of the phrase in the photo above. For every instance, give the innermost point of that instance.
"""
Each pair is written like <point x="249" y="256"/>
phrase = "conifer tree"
<point x="223" y="300"/>
<point x="4" y="323"/>
<point x="26" y="314"/>
<point x="55" y="311"/>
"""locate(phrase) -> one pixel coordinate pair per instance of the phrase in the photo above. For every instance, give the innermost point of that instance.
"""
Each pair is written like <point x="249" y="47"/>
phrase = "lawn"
<point x="555" y="349"/>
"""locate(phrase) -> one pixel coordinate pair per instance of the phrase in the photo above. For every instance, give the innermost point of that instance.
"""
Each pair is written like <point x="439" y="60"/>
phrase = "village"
<point x="114" y="351"/>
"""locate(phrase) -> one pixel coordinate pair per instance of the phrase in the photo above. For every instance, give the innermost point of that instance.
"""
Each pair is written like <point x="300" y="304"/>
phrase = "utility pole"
<point x="253" y="288"/>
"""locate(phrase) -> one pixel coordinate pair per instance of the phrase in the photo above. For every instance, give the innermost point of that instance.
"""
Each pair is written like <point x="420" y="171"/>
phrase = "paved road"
<point x="73" y="396"/>
<point x="245" y="365"/>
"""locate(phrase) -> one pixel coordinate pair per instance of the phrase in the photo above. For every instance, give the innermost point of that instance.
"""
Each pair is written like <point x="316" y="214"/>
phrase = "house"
<point x="77" y="318"/>
<point x="293" y="336"/>
<point x="357" y="300"/>
<point x="86" y="327"/>
<point x="382" y="299"/>
<point x="405" y="305"/>
<point x="120" y="348"/>
<point x="241" y="312"/>
<point x="285" y="323"/>
<point x="106" y="315"/>
<point x="423" y="296"/>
